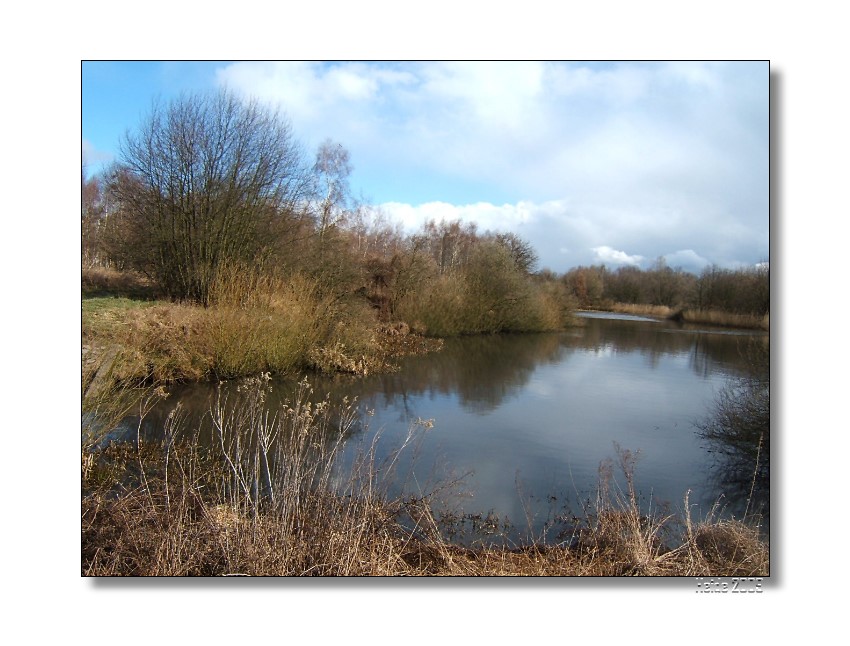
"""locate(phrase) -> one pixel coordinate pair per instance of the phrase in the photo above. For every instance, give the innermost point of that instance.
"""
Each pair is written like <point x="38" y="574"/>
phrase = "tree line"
<point x="209" y="187"/>
<point x="741" y="291"/>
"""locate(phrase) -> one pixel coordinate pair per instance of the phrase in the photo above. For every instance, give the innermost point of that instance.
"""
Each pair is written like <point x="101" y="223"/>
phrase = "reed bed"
<point x="254" y="324"/>
<point x="726" y="319"/>
<point x="695" y="316"/>
<point x="267" y="494"/>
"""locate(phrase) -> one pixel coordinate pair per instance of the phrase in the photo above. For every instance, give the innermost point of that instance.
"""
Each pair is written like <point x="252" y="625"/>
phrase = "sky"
<point x="615" y="163"/>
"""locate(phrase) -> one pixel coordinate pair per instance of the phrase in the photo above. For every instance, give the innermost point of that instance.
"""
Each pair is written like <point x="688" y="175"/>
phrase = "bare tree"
<point x="93" y="212"/>
<point x="332" y="169"/>
<point x="523" y="254"/>
<point x="204" y="182"/>
<point x="450" y="243"/>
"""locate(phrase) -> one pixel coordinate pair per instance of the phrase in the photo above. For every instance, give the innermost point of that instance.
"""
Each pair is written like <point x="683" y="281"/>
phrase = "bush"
<point x="490" y="294"/>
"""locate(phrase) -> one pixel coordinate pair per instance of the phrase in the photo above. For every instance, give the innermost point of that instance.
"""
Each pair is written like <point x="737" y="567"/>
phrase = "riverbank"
<point x="177" y="508"/>
<point x="694" y="316"/>
<point x="240" y="504"/>
<point x="176" y="532"/>
<point x="157" y="341"/>
<point x="284" y="326"/>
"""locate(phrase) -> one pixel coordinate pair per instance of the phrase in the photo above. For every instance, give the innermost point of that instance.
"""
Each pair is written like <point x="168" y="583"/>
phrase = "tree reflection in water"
<point x="533" y="415"/>
<point x="738" y="434"/>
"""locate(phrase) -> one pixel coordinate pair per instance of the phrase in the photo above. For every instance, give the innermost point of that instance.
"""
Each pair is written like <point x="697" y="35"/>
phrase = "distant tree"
<point x="586" y="284"/>
<point x="626" y="285"/>
<point x="670" y="287"/>
<point x="743" y="291"/>
<point x="372" y="233"/>
<point x="761" y="288"/>
<point x="93" y="210"/>
<point x="204" y="182"/>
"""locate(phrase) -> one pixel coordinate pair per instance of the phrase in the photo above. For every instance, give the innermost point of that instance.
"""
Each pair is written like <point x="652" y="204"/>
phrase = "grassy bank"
<point x="265" y="497"/>
<point x="695" y="316"/>
<point x="277" y="326"/>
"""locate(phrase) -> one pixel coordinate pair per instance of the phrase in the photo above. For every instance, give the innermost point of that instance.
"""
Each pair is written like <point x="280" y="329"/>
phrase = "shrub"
<point x="490" y="294"/>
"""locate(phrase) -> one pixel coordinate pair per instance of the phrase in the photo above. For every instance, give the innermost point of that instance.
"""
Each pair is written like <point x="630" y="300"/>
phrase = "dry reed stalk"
<point x="726" y="319"/>
<point x="267" y="498"/>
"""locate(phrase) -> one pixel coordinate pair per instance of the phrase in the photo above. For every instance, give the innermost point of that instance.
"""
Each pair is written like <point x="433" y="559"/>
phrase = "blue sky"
<point x="615" y="163"/>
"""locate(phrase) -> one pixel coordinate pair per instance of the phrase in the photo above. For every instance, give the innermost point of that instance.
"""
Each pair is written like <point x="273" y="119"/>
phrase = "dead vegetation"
<point x="266" y="495"/>
<point x="254" y="324"/>
<point x="716" y="318"/>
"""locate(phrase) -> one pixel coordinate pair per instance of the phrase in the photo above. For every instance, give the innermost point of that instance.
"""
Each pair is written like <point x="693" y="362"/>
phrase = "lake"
<point x="521" y="423"/>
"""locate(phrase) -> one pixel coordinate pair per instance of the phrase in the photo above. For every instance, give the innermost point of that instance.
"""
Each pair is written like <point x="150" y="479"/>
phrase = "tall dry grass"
<point x="268" y="495"/>
<point x="106" y="399"/>
<point x="726" y="319"/>
<point x="264" y="497"/>
<point x="255" y="323"/>
<point x="618" y="538"/>
<point x="97" y="280"/>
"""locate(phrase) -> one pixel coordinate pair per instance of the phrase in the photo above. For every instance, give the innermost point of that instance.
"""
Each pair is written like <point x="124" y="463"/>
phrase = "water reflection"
<point x="709" y="350"/>
<point x="737" y="434"/>
<point x="532" y="416"/>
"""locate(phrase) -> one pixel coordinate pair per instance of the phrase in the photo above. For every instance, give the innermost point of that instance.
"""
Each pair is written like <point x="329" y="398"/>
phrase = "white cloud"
<point x="507" y="217"/>
<point x="687" y="259"/>
<point x="566" y="234"/>
<point x="488" y="95"/>
<point x="607" y="255"/>
<point x="594" y="158"/>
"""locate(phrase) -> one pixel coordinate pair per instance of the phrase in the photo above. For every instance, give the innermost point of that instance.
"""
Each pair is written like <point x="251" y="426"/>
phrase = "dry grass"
<point x="726" y="319"/>
<point x="695" y="316"/>
<point x="107" y="399"/>
<point x="618" y="539"/>
<point x="255" y="324"/>
<point x="266" y="497"/>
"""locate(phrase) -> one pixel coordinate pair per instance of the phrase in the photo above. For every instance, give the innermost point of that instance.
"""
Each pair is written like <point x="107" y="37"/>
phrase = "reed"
<point x="264" y="497"/>
<point x="726" y="319"/>
<point x="267" y="495"/>
<point x="618" y="538"/>
<point x="695" y="316"/>
<point x="254" y="324"/>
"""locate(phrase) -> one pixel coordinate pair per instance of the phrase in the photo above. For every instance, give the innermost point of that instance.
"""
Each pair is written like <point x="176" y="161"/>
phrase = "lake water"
<point x="526" y="420"/>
